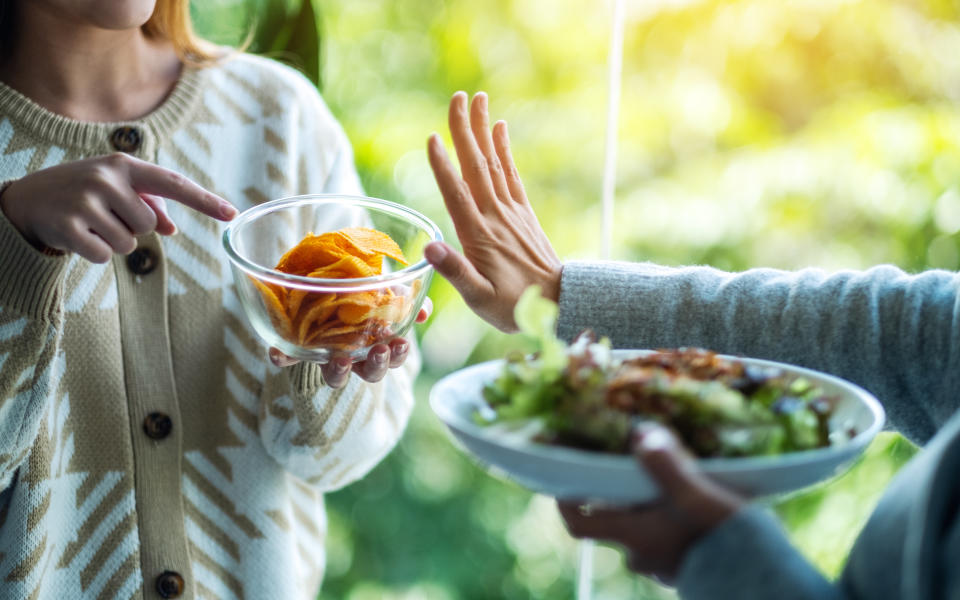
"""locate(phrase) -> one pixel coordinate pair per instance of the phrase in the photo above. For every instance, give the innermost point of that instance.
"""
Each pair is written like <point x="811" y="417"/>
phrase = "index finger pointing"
<point x="152" y="179"/>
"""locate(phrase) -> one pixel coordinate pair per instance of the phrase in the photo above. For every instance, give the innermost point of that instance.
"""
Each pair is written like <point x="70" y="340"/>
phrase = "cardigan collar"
<point x="89" y="137"/>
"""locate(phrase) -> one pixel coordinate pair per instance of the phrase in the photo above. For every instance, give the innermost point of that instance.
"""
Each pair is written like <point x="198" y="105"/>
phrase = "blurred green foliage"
<point x="286" y="30"/>
<point x="753" y="133"/>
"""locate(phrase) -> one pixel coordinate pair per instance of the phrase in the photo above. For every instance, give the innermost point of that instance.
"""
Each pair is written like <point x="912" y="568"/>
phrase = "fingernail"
<point x="340" y="367"/>
<point x="401" y="348"/>
<point x="227" y="210"/>
<point x="435" y="253"/>
<point x="281" y="360"/>
<point x="379" y="357"/>
<point x="655" y="439"/>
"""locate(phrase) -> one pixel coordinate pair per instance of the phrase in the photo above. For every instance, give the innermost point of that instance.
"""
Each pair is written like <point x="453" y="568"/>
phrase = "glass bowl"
<point x="314" y="319"/>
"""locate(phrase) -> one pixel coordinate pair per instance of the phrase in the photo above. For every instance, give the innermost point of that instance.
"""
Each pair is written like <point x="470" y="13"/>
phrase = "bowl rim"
<point x="318" y="283"/>
<point x="714" y="466"/>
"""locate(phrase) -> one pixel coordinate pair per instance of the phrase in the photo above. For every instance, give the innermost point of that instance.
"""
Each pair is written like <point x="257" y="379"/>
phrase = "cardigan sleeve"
<point x="30" y="335"/>
<point x="330" y="438"/>
<point x="896" y="335"/>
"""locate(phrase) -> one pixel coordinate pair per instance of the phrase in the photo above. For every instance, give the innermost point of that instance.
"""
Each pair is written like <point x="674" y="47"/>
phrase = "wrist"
<point x="6" y="207"/>
<point x="9" y="207"/>
<point x="3" y="188"/>
<point x="551" y="287"/>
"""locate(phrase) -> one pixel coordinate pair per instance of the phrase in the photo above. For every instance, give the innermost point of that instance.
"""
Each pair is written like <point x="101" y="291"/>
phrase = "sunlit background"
<point x="752" y="133"/>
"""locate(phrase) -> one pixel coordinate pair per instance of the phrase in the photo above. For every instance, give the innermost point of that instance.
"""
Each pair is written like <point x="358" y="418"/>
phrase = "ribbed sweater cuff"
<point x="30" y="281"/>
<point x="306" y="378"/>
<point x="589" y="293"/>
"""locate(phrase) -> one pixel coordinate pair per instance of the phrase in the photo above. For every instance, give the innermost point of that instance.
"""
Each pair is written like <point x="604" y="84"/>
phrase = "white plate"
<point x="572" y="474"/>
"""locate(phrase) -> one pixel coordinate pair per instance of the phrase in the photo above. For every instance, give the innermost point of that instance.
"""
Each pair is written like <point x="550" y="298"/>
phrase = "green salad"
<point x="718" y="406"/>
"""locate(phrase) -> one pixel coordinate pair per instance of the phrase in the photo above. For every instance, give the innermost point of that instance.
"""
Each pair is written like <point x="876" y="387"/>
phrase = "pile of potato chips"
<point x="342" y="321"/>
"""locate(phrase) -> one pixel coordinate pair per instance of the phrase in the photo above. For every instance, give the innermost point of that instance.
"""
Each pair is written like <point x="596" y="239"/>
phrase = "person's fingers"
<point x="474" y="167"/>
<point x="573" y="518"/>
<point x="375" y="366"/>
<point x="683" y="484"/>
<point x="134" y="212"/>
<point x="165" y="225"/>
<point x="426" y="309"/>
<point x="584" y="522"/>
<point x="658" y="451"/>
<point x="399" y="348"/>
<point x="456" y="194"/>
<point x="336" y="372"/>
<point x="89" y="245"/>
<point x="526" y="217"/>
<point x="148" y="178"/>
<point x="480" y="125"/>
<point x="107" y="225"/>
<point x="501" y="142"/>
<point x="280" y="359"/>
<point x="456" y="269"/>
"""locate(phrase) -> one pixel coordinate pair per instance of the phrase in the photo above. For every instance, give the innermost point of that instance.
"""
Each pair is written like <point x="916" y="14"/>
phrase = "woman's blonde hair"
<point x="171" y="21"/>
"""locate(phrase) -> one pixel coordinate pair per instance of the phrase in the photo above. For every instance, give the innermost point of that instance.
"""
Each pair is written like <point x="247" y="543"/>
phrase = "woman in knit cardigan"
<point x="148" y="448"/>
<point x="895" y="334"/>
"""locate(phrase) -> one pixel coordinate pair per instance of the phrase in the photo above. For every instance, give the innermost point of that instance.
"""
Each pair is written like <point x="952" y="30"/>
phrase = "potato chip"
<point x="319" y="312"/>
<point x="312" y="252"/>
<point x="347" y="341"/>
<point x="275" y="306"/>
<point x="353" y="314"/>
<point x="341" y="321"/>
<point x="346" y="267"/>
<point x="360" y="243"/>
<point x="375" y="242"/>
<point x="295" y="299"/>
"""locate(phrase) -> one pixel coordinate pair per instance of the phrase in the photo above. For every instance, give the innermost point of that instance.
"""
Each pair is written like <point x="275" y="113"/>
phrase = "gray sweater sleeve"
<point x="763" y="566"/>
<point x="892" y="333"/>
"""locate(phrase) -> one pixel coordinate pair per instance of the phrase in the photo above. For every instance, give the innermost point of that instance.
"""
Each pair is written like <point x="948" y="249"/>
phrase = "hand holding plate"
<point x="657" y="535"/>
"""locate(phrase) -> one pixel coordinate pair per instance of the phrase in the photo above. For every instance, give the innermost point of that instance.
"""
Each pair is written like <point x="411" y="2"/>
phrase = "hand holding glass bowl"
<point x="342" y="323"/>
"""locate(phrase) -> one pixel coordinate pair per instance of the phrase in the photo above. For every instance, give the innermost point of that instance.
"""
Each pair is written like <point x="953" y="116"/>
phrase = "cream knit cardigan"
<point x="232" y="500"/>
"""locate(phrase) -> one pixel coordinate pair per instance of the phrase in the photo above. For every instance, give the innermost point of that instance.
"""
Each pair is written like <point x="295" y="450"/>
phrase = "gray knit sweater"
<point x="897" y="335"/>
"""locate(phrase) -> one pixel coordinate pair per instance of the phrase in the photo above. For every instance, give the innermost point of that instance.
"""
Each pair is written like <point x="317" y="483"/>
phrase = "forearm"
<point x="31" y="280"/>
<point x="894" y="334"/>
<point x="31" y="304"/>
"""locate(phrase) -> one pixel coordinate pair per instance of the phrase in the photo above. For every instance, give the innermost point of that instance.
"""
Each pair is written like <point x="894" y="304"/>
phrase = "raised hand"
<point x="96" y="207"/>
<point x="504" y="248"/>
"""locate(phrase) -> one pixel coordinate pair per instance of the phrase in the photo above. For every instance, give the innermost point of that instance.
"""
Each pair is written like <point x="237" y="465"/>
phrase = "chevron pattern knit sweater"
<point x="91" y="506"/>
